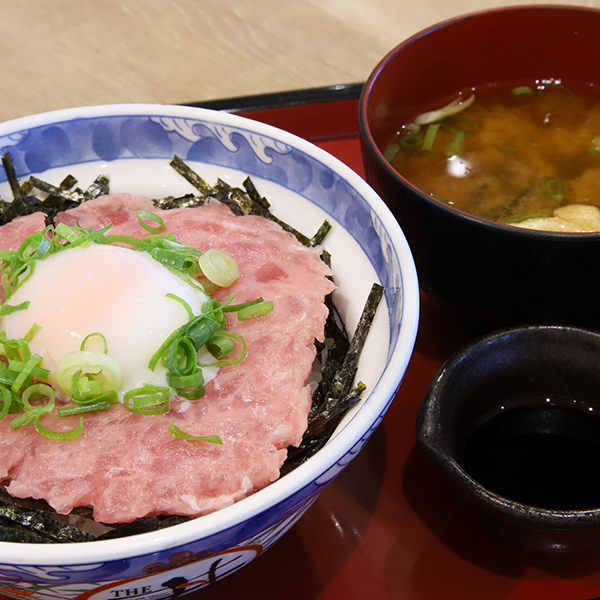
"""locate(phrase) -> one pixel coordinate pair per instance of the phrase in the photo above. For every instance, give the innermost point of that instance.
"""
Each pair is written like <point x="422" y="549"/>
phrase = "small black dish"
<point x="513" y="420"/>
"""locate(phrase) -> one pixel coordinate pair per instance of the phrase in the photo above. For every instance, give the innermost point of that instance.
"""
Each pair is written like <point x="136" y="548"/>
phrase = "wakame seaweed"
<point x="34" y="521"/>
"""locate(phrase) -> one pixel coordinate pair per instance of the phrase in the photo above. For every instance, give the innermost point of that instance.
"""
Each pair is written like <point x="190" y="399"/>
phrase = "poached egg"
<point x="114" y="291"/>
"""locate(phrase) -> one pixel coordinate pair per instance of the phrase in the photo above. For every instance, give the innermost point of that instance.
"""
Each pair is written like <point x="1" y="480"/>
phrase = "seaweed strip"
<point x="191" y="176"/>
<point x="343" y="378"/>
<point x="99" y="187"/>
<point x="321" y="234"/>
<point x="57" y="198"/>
<point x="253" y="193"/>
<point x="185" y="201"/>
<point x="52" y="190"/>
<point x="334" y="396"/>
<point x="11" y="175"/>
<point x="242" y="202"/>
<point x="36" y="521"/>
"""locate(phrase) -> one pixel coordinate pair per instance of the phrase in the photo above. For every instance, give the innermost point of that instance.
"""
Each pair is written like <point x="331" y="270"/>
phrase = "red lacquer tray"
<point x="390" y="527"/>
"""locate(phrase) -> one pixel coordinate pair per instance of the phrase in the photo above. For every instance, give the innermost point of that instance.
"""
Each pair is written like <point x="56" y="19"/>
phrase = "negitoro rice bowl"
<point x="133" y="144"/>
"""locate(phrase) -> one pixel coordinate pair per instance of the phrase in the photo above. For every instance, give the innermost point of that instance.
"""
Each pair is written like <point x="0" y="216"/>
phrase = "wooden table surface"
<point x="392" y="541"/>
<point x="64" y="53"/>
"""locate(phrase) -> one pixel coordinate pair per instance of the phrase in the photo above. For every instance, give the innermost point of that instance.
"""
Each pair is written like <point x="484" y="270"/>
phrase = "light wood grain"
<point x="63" y="53"/>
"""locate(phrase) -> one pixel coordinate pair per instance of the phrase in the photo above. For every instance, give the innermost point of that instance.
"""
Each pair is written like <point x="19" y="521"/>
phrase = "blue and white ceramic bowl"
<point x="133" y="144"/>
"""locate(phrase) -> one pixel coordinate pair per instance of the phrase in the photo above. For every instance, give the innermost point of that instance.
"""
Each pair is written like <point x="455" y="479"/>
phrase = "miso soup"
<point x="516" y="152"/>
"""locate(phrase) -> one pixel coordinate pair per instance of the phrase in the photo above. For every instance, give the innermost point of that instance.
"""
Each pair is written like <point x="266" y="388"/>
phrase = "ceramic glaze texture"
<point x="133" y="144"/>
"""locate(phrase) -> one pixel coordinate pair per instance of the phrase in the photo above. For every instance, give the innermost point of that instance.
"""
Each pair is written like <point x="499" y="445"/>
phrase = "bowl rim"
<point x="455" y="213"/>
<point x="428" y="437"/>
<point x="317" y="466"/>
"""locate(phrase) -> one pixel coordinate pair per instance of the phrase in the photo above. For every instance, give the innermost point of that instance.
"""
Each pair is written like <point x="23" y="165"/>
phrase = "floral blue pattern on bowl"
<point x="204" y="550"/>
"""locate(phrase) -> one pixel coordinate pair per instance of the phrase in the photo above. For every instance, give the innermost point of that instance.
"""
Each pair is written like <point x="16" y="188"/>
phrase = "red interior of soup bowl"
<point x="507" y="44"/>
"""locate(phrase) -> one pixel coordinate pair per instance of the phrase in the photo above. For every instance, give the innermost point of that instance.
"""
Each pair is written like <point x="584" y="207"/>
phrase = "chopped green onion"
<point x="198" y="328"/>
<point x="457" y="145"/>
<point x="255" y="310"/>
<point x="440" y="198"/>
<point x="68" y="233"/>
<point x="556" y="93"/>
<point x="236" y="307"/>
<point x="59" y="436"/>
<point x="147" y="400"/>
<point x="203" y="330"/>
<point x="220" y="346"/>
<point x="522" y="90"/>
<point x="236" y="359"/>
<point x="526" y="217"/>
<point x="27" y="417"/>
<point x="30" y="368"/>
<point x="31" y="333"/>
<point x="216" y="310"/>
<point x="178" y="434"/>
<point x="24" y="373"/>
<point x="96" y="334"/>
<point x="79" y="409"/>
<point x="515" y="142"/>
<point x="432" y="130"/>
<point x="188" y="308"/>
<point x="208" y="286"/>
<point x="105" y="367"/>
<point x="7" y="309"/>
<point x="391" y="151"/>
<point x="554" y="187"/>
<point x="219" y="267"/>
<point x="7" y="400"/>
<point x="117" y="238"/>
<point x="186" y="381"/>
<point x="35" y="246"/>
<point x="84" y="387"/>
<point x="16" y="349"/>
<point x="170" y="258"/>
<point x="411" y="141"/>
<point x="453" y="108"/>
<point x="181" y="358"/>
<point x="39" y="391"/>
<point x="150" y="216"/>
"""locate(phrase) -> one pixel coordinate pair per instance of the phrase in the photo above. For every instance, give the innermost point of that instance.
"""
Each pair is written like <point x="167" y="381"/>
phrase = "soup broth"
<point x="543" y="452"/>
<point x="518" y="151"/>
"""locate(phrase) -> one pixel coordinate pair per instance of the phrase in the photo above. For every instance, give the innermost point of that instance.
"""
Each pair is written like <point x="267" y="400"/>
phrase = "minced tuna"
<point x="126" y="465"/>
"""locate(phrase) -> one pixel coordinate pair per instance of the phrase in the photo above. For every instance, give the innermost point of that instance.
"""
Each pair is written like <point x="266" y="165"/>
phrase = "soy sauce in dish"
<point x="543" y="452"/>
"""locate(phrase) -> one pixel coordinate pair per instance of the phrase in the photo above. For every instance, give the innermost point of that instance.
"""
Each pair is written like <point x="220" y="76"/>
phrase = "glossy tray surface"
<point x="390" y="527"/>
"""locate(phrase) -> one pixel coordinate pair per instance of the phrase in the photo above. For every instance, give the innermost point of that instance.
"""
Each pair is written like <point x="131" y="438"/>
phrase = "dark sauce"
<point x="544" y="453"/>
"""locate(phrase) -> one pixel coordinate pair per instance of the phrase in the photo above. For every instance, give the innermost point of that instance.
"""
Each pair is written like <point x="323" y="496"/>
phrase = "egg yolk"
<point x="117" y="292"/>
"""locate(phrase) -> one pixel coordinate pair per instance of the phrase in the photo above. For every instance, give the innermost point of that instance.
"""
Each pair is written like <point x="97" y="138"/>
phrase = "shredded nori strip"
<point x="34" y="521"/>
<point x="11" y="175"/>
<point x="185" y="201"/>
<point x="38" y="521"/>
<point x="191" y="176"/>
<point x="254" y="195"/>
<point x="334" y="395"/>
<point x="242" y="202"/>
<point x="57" y="198"/>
